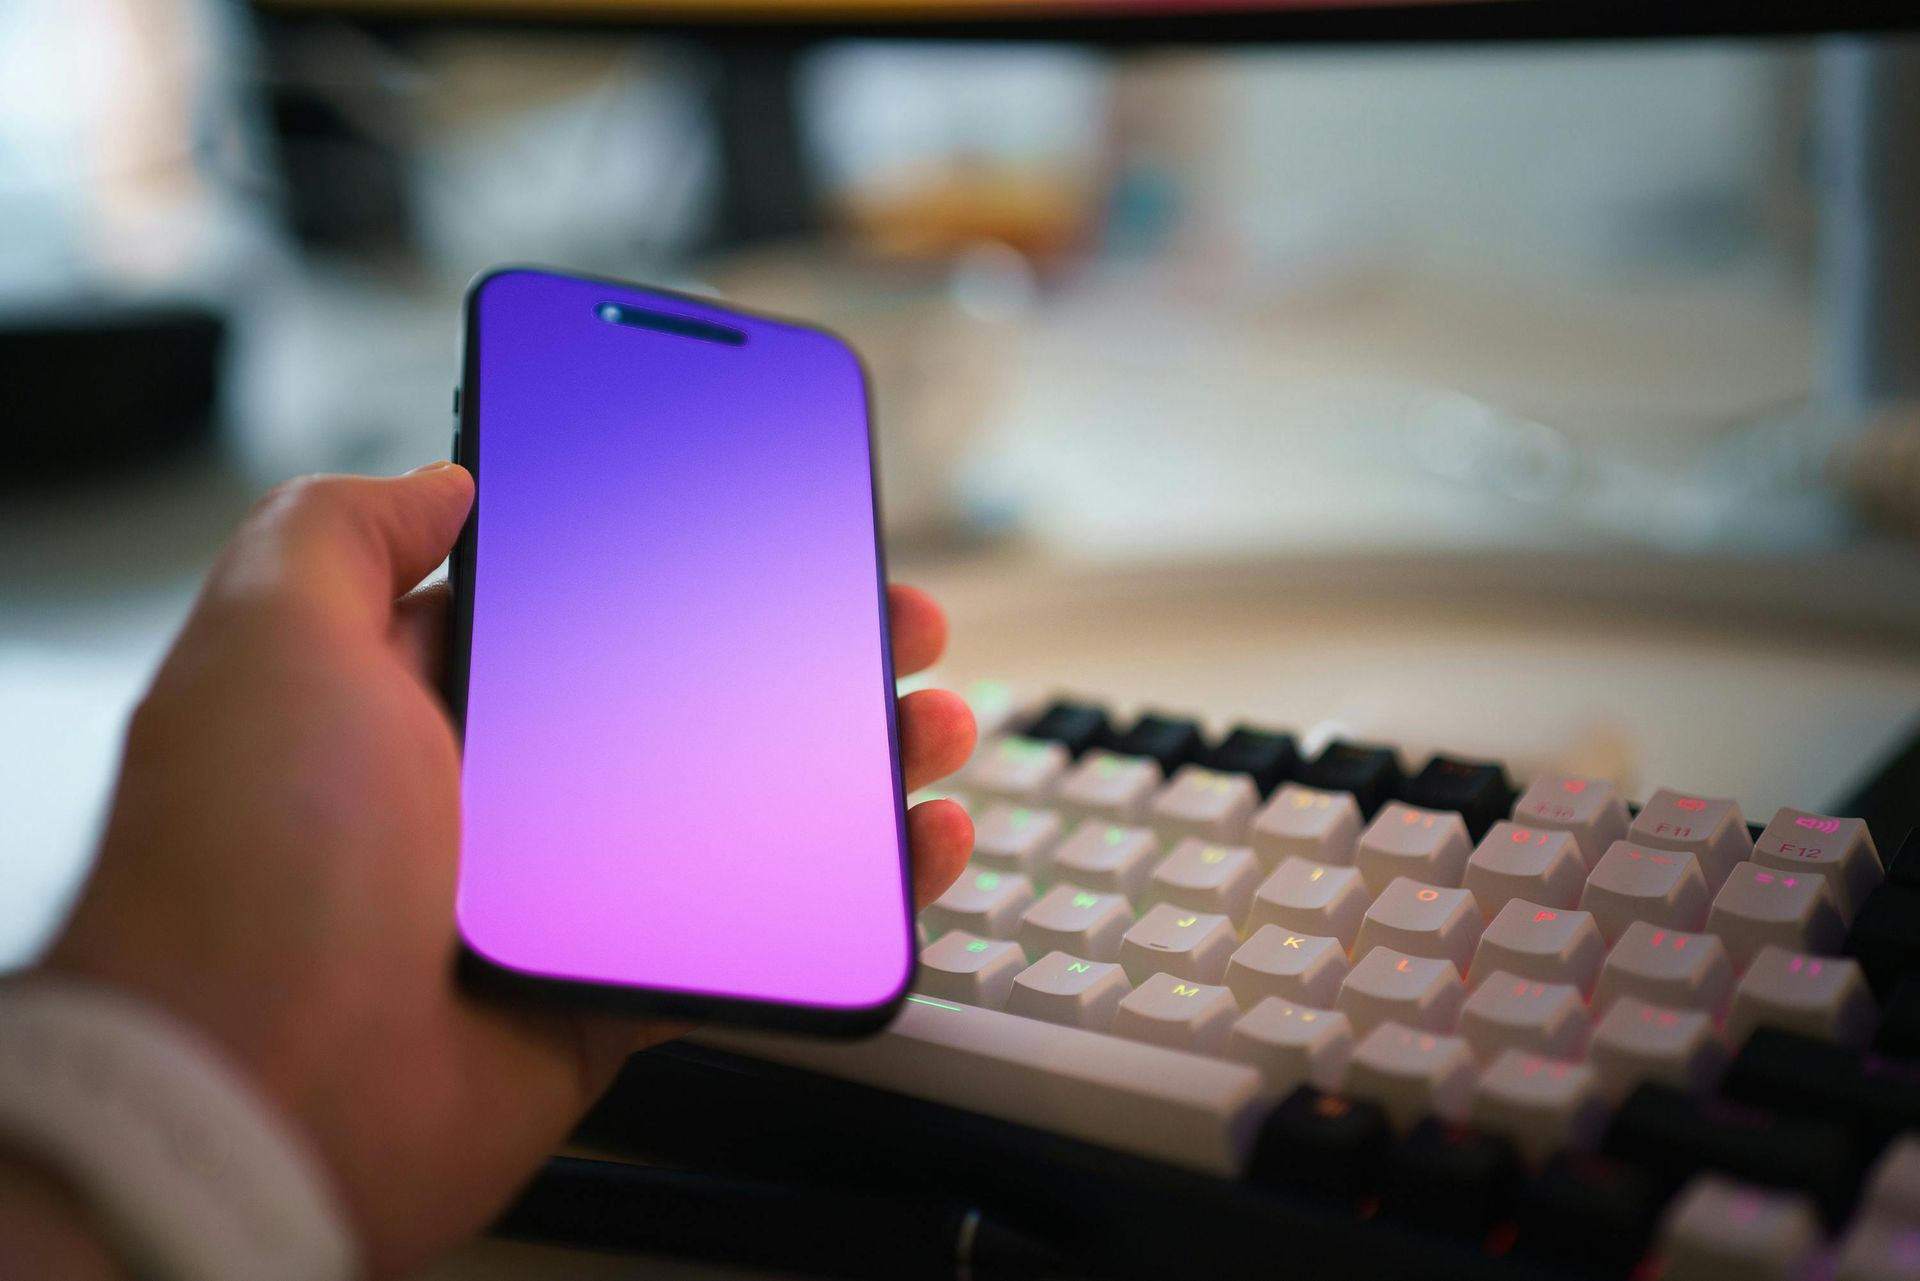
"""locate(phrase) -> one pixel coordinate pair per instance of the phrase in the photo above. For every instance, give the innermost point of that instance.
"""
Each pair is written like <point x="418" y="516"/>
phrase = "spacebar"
<point x="1175" y="1107"/>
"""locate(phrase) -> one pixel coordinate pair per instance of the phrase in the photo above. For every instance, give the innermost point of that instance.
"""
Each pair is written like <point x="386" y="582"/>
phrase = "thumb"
<point x="349" y="543"/>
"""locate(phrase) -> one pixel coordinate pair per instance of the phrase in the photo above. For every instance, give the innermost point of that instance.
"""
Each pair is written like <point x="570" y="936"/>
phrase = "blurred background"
<point x="1545" y="400"/>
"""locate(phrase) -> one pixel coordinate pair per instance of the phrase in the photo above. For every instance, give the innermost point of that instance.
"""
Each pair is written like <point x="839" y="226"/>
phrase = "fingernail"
<point x="441" y="465"/>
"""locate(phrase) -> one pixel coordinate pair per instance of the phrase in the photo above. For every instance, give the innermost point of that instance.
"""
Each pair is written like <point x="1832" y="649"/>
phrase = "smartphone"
<point x="668" y="657"/>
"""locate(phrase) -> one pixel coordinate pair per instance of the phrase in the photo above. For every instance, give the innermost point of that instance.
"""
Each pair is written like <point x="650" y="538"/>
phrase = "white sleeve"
<point x="194" y="1174"/>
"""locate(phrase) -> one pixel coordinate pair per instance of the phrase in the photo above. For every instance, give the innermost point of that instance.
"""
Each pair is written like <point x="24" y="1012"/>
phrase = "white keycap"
<point x="1205" y="804"/>
<point x="1422" y="920"/>
<point x="959" y="966"/>
<point x="1820" y="996"/>
<point x="1429" y="846"/>
<point x="1893" y="1185"/>
<point x="1708" y="827"/>
<point x="1635" y="1042"/>
<point x="1015" y="838"/>
<point x="1078" y="921"/>
<point x="1293" y="1045"/>
<point x="1640" y="883"/>
<point x="1840" y="849"/>
<point x="1069" y="990"/>
<point x="1551" y="944"/>
<point x="1537" y="864"/>
<point x="1207" y="878"/>
<point x="1108" y="786"/>
<point x="1720" y="1230"/>
<point x="1759" y="906"/>
<point x="1879" y="1249"/>
<point x="1154" y="1102"/>
<point x="983" y="902"/>
<point x="1108" y="857"/>
<point x="1391" y="987"/>
<point x="1312" y="898"/>
<point x="1539" y="1104"/>
<point x="1021" y="769"/>
<point x="1301" y="968"/>
<point x="1189" y="945"/>
<point x="1666" y="967"/>
<point x="1411" y="1074"/>
<point x="1305" y="822"/>
<point x="1177" y="1013"/>
<point x="1588" y="809"/>
<point x="1511" y="1012"/>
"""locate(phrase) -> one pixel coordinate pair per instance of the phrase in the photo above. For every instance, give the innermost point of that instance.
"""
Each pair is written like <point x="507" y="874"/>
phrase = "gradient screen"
<point x="679" y="767"/>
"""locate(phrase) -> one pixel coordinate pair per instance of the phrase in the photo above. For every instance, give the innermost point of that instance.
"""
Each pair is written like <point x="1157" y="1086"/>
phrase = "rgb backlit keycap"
<point x="1305" y="822"/>
<point x="959" y="966"/>
<point x="1666" y="967"/>
<point x="1079" y="921"/>
<point x="1478" y="791"/>
<point x="1538" y="1103"/>
<point x="1879" y="1249"/>
<point x="1370" y="774"/>
<point x="1187" y="944"/>
<point x="1429" y="846"/>
<point x="1205" y="804"/>
<point x="1293" y="1045"/>
<point x="1206" y="877"/>
<point x="982" y="902"/>
<point x="1635" y="1042"/>
<point x="1106" y="785"/>
<point x="1391" y="987"/>
<point x="1170" y="741"/>
<point x="1410" y="1074"/>
<point x="1178" y="1013"/>
<point x="1015" y="838"/>
<point x="1551" y="944"/>
<point x="1266" y="757"/>
<point x="1819" y="996"/>
<point x="1069" y="990"/>
<point x="1708" y="827"/>
<point x="1720" y="1230"/>
<point x="1075" y="726"/>
<point x="1641" y="883"/>
<point x="1537" y="864"/>
<point x="1108" y="857"/>
<point x="1762" y="906"/>
<point x="1422" y="920"/>
<point x="1311" y="898"/>
<point x="1893" y="1185"/>
<point x="1302" y="968"/>
<point x="1021" y="769"/>
<point x="1588" y="809"/>
<point x="1840" y="849"/>
<point x="1510" y="1012"/>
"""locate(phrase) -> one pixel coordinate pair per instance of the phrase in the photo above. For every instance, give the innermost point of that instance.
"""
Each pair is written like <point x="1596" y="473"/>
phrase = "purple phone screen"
<point x="679" y="767"/>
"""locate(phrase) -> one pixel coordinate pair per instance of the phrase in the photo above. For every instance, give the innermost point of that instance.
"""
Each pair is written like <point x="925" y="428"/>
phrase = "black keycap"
<point x="1320" y="1145"/>
<point x="1671" y="1135"/>
<point x="1075" y="726"/>
<point x="1167" y="739"/>
<point x="1873" y="1096"/>
<point x="1586" y="1215"/>
<point x="1899" y="1033"/>
<point x="1450" y="1179"/>
<point x="1885" y="937"/>
<point x="1372" y="774"/>
<point x="1477" y="790"/>
<point x="1904" y="867"/>
<point x="1269" y="758"/>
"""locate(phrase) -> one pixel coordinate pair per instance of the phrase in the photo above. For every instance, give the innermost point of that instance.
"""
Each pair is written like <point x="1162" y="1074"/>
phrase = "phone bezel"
<point x="495" y="978"/>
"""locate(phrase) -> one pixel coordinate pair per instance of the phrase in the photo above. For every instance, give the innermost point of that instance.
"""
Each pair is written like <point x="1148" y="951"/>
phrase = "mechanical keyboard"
<point x="1439" y="1021"/>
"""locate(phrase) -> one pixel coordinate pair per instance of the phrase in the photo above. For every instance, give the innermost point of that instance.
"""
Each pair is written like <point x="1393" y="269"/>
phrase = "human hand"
<point x="280" y="863"/>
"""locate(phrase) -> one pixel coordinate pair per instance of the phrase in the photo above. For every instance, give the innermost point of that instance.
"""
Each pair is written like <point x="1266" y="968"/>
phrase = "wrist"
<point x="47" y="1228"/>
